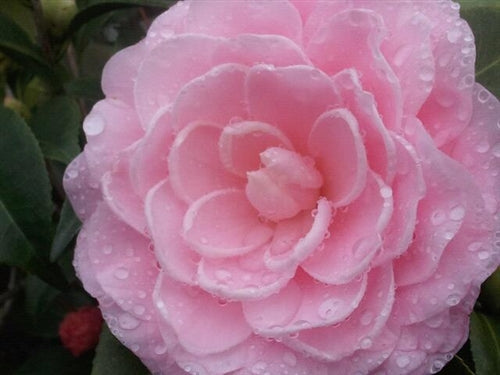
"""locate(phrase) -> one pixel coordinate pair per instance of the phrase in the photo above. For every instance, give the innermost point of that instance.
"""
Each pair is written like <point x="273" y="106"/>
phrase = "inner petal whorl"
<point x="286" y="184"/>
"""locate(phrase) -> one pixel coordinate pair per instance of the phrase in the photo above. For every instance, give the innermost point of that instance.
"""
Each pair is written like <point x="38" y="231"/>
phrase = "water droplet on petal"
<point x="402" y="361"/>
<point x="127" y="321"/>
<point x="453" y="300"/>
<point x="365" y="343"/>
<point x="259" y="368"/>
<point x="457" y="213"/>
<point x="94" y="124"/>
<point x="121" y="273"/>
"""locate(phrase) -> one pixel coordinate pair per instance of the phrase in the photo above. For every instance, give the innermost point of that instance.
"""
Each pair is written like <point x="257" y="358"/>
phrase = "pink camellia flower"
<point x="291" y="187"/>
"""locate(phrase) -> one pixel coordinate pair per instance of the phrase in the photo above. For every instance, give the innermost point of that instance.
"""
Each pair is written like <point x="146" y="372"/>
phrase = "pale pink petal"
<point x="229" y="19"/>
<point x="409" y="51"/>
<point x="194" y="165"/>
<point x="303" y="304"/>
<point x="188" y="309"/>
<point x="448" y="109"/>
<point x="148" y="162"/>
<point x="478" y="147"/>
<point x="120" y="72"/>
<point x="304" y="7"/>
<point x="119" y="259"/>
<point x="245" y="277"/>
<point x="440" y="212"/>
<point x="379" y="145"/>
<point x="295" y="239"/>
<point x="355" y="238"/>
<point x="290" y="98"/>
<point x="173" y="60"/>
<point x="167" y="24"/>
<point x="215" y="97"/>
<point x="241" y="143"/>
<point x="330" y="49"/>
<point x="110" y="127"/>
<point x="337" y="146"/>
<point x="81" y="188"/>
<point x="119" y="194"/>
<point x="164" y="213"/>
<point x="224" y="224"/>
<point x="286" y="184"/>
<point x="365" y="361"/>
<point x="408" y="188"/>
<point x="332" y="343"/>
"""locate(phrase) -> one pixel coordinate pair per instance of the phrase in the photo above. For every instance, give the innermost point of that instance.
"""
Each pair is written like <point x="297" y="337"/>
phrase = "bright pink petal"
<point x="164" y="213"/>
<point x="290" y="98"/>
<point x="223" y="224"/>
<point x="330" y="49"/>
<point x="286" y="184"/>
<point x="241" y="278"/>
<point x="120" y="195"/>
<point x="241" y="143"/>
<point x="355" y="238"/>
<point x="215" y="97"/>
<point x="478" y="147"/>
<point x="295" y="239"/>
<point x="81" y="189"/>
<point x="338" y="149"/>
<point x="148" y="162"/>
<point x="448" y="109"/>
<point x="230" y="19"/>
<point x="335" y="342"/>
<point x="120" y="72"/>
<point x="110" y="127"/>
<point x="379" y="146"/>
<point x="303" y="304"/>
<point x="408" y="188"/>
<point x="188" y="309"/>
<point x="194" y="165"/>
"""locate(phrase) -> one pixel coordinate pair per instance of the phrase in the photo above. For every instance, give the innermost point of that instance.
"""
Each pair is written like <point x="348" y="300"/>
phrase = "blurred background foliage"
<point x="51" y="57"/>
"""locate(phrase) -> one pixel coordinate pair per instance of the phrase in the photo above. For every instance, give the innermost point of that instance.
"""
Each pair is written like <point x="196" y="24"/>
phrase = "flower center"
<point x="286" y="184"/>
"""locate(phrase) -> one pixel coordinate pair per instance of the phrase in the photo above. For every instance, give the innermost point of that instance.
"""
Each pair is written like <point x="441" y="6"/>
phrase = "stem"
<point x="41" y="30"/>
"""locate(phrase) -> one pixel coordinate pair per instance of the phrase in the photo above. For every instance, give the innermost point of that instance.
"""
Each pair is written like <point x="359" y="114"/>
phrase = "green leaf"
<point x="16" y="44"/>
<point x="483" y="17"/>
<point x="67" y="228"/>
<point x="24" y="183"/>
<point x="56" y="125"/>
<point x="113" y="358"/>
<point x="96" y="8"/>
<point x="25" y="201"/>
<point x="55" y="360"/>
<point x="88" y="88"/>
<point x="485" y="343"/>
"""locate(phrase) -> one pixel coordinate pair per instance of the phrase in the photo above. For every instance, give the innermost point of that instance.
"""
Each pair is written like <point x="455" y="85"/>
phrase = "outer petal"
<point x="194" y="165"/>
<point x="148" y="162"/>
<point x="354" y="238"/>
<point x="120" y="72"/>
<point x="338" y="149"/>
<point x="330" y="49"/>
<point x="289" y="98"/>
<point x="110" y="127"/>
<point x="81" y="188"/>
<point x="335" y="342"/>
<point x="302" y="304"/>
<point x="224" y="224"/>
<point x="229" y="19"/>
<point x="120" y="195"/>
<point x="188" y="318"/>
<point x="448" y="109"/>
<point x="478" y="147"/>
<point x="164" y="214"/>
